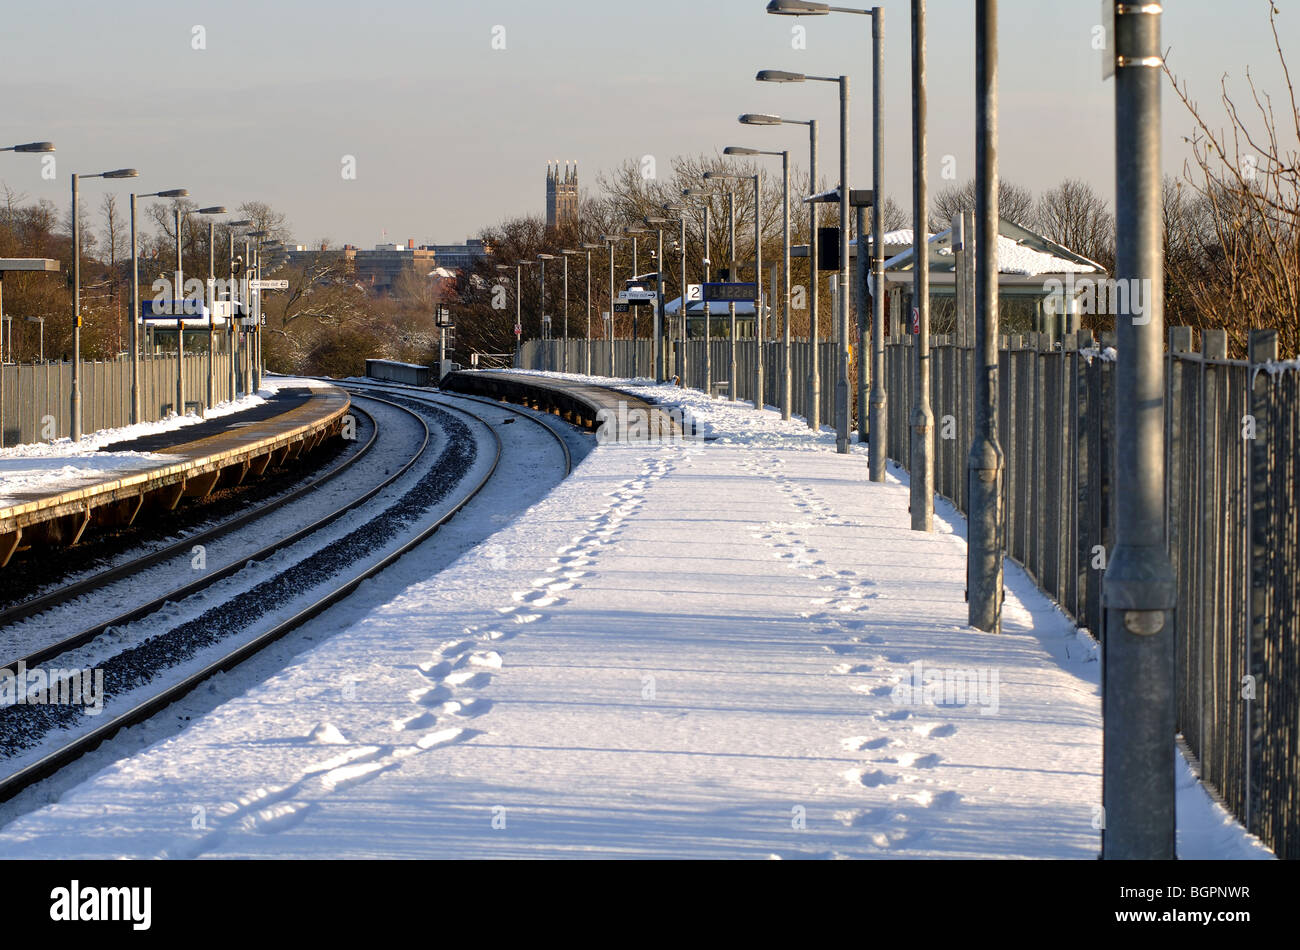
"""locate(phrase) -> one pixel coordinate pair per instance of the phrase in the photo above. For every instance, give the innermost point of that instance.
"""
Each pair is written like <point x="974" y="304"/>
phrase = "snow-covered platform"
<point x="51" y="493"/>
<point x="731" y="647"/>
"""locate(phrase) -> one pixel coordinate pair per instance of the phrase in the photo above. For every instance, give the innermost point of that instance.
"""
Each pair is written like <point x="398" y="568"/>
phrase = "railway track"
<point x="102" y="578"/>
<point x="130" y="671"/>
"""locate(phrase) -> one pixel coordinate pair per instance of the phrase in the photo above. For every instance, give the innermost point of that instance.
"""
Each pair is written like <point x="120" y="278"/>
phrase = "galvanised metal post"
<point x="212" y="305"/>
<point x="708" y="329"/>
<point x="758" y="290"/>
<point x="245" y="364"/>
<point x="787" y="394"/>
<point x="178" y="299"/>
<point x="814" y="291"/>
<point x="566" y="314"/>
<point x="878" y="410"/>
<point x="588" y="369"/>
<point x="633" y="307"/>
<point x="609" y="328"/>
<point x="922" y="418"/>
<point x="1139" y="591"/>
<point x="232" y="327"/>
<point x="731" y="275"/>
<point x="860" y="277"/>
<point x="682" y="239"/>
<point x="76" y="311"/>
<point x="660" y="330"/>
<point x="985" y="463"/>
<point x="519" y="312"/>
<point x="842" y="376"/>
<point x="75" y="399"/>
<point x="541" y="317"/>
<point x="135" y="319"/>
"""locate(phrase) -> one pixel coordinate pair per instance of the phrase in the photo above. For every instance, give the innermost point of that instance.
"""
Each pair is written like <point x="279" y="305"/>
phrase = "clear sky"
<point x="450" y="134"/>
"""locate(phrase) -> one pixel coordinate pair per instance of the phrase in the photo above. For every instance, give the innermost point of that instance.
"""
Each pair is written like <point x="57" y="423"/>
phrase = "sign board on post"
<point x="269" y="284"/>
<point x="619" y="308"/>
<point x="694" y="293"/>
<point x="639" y="296"/>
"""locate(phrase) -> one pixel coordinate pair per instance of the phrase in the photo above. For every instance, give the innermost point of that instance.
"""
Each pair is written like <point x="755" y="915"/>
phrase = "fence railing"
<point x="1232" y="513"/>
<point x="36" y="403"/>
<point x="1232" y="529"/>
<point x="688" y="363"/>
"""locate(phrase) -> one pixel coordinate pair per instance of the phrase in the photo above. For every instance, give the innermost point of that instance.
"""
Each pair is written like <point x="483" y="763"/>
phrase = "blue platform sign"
<point x="731" y="293"/>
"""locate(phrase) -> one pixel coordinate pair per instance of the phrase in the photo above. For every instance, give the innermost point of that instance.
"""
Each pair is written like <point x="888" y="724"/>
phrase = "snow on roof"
<point x="1015" y="257"/>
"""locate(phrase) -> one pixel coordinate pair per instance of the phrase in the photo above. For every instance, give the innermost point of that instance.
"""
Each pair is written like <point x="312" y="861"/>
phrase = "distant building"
<point x="459" y="256"/>
<point x="380" y="269"/>
<point x="304" y="256"/>
<point x="562" y="197"/>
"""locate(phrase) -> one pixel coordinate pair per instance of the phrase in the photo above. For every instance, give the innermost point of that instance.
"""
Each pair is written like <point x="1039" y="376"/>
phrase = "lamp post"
<point x="758" y="282"/>
<point x="550" y="356"/>
<point x="135" y="297"/>
<point x="263" y="267"/>
<point x="878" y="419"/>
<point x="519" y="292"/>
<point x="76" y="286"/>
<point x="567" y="254"/>
<point x="588" y="248"/>
<point x="842" y="373"/>
<point x="660" y="330"/>
<point x="812" y="382"/>
<point x="676" y="213"/>
<point x="1140" y="590"/>
<point x="26" y="148"/>
<point x="707" y="195"/>
<point x="250" y="267"/>
<point x="232" y="330"/>
<point x="610" y="240"/>
<point x="634" y="232"/>
<point x="212" y="298"/>
<point x="787" y="383"/>
<point x="505" y="269"/>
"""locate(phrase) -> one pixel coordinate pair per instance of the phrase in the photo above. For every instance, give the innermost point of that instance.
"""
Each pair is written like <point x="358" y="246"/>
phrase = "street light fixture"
<point x="212" y="297"/>
<point x="922" y="417"/>
<point x="588" y="247"/>
<point x="76" y="277"/>
<point x="758" y="284"/>
<point x="31" y="147"/>
<point x="135" y="296"/>
<point x="708" y="194"/>
<point x="546" y="334"/>
<point x="812" y="381"/>
<point x="232" y="331"/>
<point x="610" y="240"/>
<point x="788" y="369"/>
<point x="567" y="253"/>
<point x="842" y="376"/>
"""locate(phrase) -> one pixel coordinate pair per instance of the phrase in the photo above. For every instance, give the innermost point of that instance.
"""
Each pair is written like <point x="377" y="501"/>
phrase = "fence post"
<point x="1262" y="349"/>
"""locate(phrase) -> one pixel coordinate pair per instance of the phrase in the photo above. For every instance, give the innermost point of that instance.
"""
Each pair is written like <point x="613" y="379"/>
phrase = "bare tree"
<point x="1245" y="199"/>
<point x="1015" y="204"/>
<point x="1073" y="215"/>
<point x="115" y="239"/>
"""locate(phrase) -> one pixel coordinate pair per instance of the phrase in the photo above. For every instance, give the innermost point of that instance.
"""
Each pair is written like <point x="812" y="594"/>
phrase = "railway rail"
<point x="447" y="505"/>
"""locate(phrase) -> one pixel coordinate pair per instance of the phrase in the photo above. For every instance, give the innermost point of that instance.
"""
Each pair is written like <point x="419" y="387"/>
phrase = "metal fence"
<point x="688" y="363"/>
<point x="36" y="403"/>
<point x="1232" y="528"/>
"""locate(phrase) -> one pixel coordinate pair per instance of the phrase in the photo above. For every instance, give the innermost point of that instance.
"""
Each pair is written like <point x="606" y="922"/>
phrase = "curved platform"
<point x="194" y="461"/>
<point x="615" y="416"/>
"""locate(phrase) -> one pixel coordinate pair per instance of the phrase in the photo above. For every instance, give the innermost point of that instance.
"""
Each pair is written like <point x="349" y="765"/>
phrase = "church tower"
<point x="562" y="196"/>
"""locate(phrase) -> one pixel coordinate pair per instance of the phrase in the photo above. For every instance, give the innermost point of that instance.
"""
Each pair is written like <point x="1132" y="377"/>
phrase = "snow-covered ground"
<point x="729" y="648"/>
<point x="63" y="465"/>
